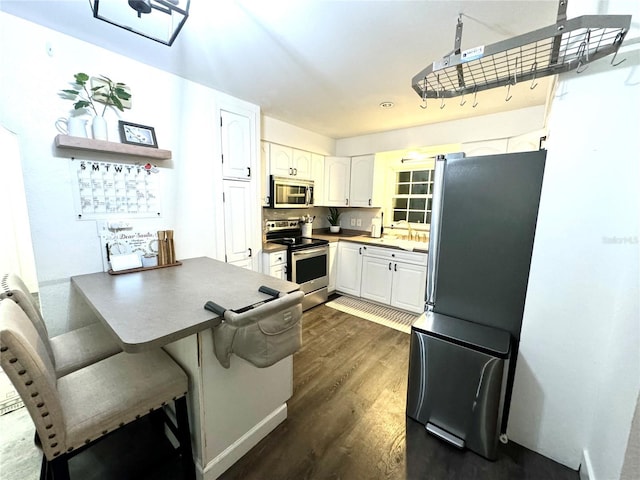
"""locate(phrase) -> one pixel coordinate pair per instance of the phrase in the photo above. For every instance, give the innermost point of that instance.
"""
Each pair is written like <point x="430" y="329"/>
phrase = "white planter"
<point x="99" y="128"/>
<point x="334" y="228"/>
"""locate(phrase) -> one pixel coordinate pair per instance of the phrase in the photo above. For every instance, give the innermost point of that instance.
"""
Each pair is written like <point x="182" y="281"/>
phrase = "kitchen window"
<point x="413" y="196"/>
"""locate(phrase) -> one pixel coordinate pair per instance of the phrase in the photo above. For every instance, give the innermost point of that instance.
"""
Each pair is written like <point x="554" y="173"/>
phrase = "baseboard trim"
<point x="586" y="470"/>
<point x="236" y="450"/>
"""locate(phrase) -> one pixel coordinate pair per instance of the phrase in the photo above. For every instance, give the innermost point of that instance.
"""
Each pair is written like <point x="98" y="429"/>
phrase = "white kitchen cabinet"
<point x="349" y="268"/>
<point x="349" y="182"/>
<point x="394" y="277"/>
<point x="333" y="266"/>
<point x="235" y="130"/>
<point x="238" y="221"/>
<point x="337" y="177"/>
<point x="317" y="175"/>
<point x="376" y="279"/>
<point x="275" y="264"/>
<point x="301" y="164"/>
<point x="408" y="286"/>
<point x="361" y="181"/>
<point x="265" y="186"/>
<point x="289" y="162"/>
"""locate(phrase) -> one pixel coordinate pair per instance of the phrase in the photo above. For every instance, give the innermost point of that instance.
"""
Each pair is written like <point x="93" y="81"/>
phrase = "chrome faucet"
<point x="409" y="229"/>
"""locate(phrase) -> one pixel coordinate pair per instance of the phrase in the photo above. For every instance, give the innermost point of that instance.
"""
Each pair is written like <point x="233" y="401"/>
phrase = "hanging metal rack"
<point x="567" y="45"/>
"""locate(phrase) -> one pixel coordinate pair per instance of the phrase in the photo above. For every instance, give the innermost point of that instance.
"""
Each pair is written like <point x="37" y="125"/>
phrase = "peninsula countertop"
<point x="152" y="308"/>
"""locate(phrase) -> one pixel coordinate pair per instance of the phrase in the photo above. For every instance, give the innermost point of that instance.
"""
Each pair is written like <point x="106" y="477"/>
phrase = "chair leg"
<point x="182" y="418"/>
<point x="44" y="471"/>
<point x="59" y="469"/>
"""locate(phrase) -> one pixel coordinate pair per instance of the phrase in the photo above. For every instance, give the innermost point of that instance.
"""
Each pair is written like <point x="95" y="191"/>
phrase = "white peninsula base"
<point x="230" y="410"/>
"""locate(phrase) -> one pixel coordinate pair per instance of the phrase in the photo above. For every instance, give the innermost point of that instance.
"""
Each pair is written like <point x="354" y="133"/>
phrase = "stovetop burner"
<point x="288" y="232"/>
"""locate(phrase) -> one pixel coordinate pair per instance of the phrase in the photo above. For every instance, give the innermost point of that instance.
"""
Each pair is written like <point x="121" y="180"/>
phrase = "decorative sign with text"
<point x="103" y="189"/>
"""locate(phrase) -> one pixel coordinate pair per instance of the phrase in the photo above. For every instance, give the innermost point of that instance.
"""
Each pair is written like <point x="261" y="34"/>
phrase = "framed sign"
<point x="135" y="134"/>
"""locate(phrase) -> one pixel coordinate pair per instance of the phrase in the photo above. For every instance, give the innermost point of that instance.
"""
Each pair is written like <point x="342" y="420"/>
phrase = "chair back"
<point x="24" y="358"/>
<point x="12" y="286"/>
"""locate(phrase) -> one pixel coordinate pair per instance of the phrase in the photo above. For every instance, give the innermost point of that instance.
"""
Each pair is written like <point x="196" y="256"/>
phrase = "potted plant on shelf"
<point x="334" y="220"/>
<point x="109" y="92"/>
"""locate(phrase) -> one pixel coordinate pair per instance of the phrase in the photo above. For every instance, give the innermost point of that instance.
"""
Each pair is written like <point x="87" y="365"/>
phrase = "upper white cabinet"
<point x="289" y="162"/>
<point x="317" y="175"/>
<point x="361" y="184"/>
<point x="235" y="132"/>
<point x="337" y="178"/>
<point x="349" y="182"/>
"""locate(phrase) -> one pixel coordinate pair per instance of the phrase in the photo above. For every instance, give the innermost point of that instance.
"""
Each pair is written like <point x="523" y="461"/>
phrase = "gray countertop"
<point x="358" y="236"/>
<point x="151" y="308"/>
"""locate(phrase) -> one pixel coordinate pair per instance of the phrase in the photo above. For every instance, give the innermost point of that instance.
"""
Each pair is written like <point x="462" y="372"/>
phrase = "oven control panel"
<point x="273" y="225"/>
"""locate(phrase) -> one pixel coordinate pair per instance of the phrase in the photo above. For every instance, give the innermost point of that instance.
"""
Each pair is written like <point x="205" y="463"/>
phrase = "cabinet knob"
<point x="389" y="265"/>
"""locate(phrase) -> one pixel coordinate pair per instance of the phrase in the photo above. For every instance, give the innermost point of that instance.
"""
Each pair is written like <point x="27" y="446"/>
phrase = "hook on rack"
<point x="424" y="95"/>
<point x="441" y="94"/>
<point x="509" y="97"/>
<point x="534" y="84"/>
<point x="617" y="40"/>
<point x="583" y="53"/>
<point x="462" y="100"/>
<point x="475" y="96"/>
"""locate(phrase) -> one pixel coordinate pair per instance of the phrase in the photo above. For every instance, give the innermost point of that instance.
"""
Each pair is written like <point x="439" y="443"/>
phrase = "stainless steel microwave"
<point x="291" y="192"/>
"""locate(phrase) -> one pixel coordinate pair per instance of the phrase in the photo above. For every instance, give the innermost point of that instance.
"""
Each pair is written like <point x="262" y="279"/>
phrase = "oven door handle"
<point x="310" y="252"/>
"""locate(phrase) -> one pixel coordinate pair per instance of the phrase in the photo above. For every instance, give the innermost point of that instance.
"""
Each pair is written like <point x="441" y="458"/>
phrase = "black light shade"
<point x="158" y="20"/>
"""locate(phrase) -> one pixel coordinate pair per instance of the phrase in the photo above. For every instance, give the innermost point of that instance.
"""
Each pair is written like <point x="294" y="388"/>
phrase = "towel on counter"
<point x="263" y="335"/>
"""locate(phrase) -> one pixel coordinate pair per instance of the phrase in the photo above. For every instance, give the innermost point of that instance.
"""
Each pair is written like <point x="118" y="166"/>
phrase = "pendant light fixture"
<point x="158" y="20"/>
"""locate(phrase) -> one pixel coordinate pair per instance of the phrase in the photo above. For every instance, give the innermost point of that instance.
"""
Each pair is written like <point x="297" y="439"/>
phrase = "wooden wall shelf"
<point x="89" y="144"/>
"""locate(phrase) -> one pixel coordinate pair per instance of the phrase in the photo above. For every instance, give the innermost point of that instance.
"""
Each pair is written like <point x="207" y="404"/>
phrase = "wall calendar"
<point x="102" y="189"/>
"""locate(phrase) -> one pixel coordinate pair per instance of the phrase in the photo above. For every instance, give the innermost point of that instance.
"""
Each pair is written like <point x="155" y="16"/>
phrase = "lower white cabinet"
<point x="385" y="275"/>
<point x="333" y="266"/>
<point x="349" y="268"/>
<point x="275" y="264"/>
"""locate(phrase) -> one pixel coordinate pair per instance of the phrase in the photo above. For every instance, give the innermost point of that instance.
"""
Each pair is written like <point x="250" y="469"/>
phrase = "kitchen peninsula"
<point x="230" y="410"/>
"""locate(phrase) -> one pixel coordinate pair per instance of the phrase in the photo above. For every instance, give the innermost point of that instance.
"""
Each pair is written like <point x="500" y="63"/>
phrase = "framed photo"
<point x="135" y="134"/>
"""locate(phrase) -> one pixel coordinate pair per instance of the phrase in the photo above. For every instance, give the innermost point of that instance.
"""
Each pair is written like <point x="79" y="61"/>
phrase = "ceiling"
<point x="323" y="65"/>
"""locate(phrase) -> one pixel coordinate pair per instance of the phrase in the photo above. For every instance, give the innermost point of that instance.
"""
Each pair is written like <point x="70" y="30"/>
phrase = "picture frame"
<point x="136" y="134"/>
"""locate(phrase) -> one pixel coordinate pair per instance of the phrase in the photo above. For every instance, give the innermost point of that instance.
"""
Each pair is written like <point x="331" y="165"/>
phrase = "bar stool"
<point x="69" y="351"/>
<point x="73" y="412"/>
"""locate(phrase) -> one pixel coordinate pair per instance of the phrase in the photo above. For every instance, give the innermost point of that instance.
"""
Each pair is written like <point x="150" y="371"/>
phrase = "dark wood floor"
<point x="346" y="420"/>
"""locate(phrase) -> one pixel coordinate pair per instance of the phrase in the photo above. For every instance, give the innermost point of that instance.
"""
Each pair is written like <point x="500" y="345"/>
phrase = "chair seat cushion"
<point x="106" y="395"/>
<point x="81" y="347"/>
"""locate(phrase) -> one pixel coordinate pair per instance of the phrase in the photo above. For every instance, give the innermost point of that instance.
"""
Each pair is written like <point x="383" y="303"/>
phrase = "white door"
<point x="280" y="160"/>
<point x="349" y="268"/>
<point x="337" y="174"/>
<point x="361" y="185"/>
<point x="236" y="145"/>
<point x="376" y="279"/>
<point x="237" y="223"/>
<point x="408" y="287"/>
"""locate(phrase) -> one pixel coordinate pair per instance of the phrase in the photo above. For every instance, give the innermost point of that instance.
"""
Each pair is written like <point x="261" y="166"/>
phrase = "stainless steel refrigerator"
<point x="464" y="348"/>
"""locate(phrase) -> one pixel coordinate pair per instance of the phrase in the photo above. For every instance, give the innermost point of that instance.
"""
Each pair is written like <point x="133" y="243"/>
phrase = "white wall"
<point x="183" y="114"/>
<point x="578" y="374"/>
<point x="277" y="131"/>
<point x="486" y="127"/>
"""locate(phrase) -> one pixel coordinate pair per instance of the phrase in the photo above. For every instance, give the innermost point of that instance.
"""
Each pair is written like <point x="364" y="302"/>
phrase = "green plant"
<point x="334" y="216"/>
<point x="110" y="93"/>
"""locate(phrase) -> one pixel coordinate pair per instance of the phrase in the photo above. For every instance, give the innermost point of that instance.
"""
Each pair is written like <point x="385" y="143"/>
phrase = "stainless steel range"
<point x="307" y="259"/>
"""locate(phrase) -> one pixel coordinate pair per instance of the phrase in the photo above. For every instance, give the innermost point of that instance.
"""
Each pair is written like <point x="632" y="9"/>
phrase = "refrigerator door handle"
<point x="434" y="233"/>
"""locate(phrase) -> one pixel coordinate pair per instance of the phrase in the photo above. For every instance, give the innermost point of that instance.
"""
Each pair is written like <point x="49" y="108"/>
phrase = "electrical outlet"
<point x="353" y="222"/>
<point x="359" y="222"/>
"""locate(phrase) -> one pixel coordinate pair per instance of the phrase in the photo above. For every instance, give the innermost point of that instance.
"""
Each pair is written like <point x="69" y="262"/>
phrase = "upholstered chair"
<point x="73" y="412"/>
<point x="69" y="351"/>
